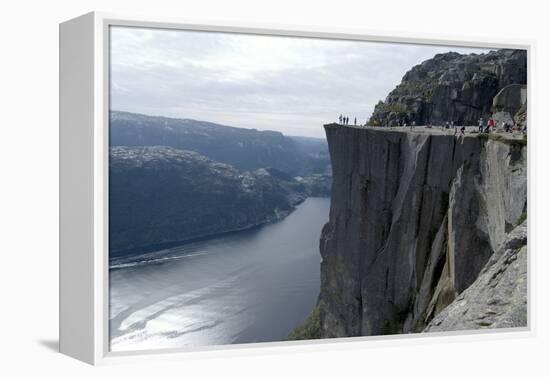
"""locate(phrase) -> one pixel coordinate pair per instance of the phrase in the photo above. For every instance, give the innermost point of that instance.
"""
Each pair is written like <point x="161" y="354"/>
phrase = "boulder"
<point x="162" y="195"/>
<point x="509" y="103"/>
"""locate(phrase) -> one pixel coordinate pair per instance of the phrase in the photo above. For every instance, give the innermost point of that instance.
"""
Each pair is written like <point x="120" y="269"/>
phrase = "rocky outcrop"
<point x="415" y="217"/>
<point x="498" y="297"/>
<point x="451" y="87"/>
<point x="510" y="105"/>
<point x="162" y="195"/>
<point x="510" y="99"/>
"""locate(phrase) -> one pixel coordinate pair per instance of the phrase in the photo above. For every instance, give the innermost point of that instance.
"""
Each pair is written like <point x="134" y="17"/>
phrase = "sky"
<point x="288" y="84"/>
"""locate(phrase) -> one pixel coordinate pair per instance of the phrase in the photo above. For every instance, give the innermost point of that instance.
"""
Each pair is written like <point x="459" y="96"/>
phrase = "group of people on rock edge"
<point x="491" y="126"/>
<point x="482" y="126"/>
<point x="344" y="120"/>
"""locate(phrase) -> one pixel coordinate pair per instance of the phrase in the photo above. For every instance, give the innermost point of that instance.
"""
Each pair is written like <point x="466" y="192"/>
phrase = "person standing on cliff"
<point x="340" y="119"/>
<point x="480" y="125"/>
<point x="355" y="121"/>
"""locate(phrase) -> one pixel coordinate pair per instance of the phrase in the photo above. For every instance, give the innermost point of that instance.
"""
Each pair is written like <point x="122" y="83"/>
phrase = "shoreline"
<point x="137" y="251"/>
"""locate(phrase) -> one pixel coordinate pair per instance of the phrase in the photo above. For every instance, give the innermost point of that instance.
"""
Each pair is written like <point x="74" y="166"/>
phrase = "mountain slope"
<point x="244" y="149"/>
<point x="451" y="87"/>
<point x="161" y="195"/>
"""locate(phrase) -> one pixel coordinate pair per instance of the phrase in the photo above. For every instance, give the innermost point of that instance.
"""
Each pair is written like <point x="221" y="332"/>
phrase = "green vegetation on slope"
<point x="522" y="218"/>
<point x="310" y="329"/>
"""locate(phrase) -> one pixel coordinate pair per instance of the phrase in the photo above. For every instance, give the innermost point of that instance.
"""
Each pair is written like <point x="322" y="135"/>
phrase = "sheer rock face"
<point x="510" y="105"/>
<point x="414" y="219"/>
<point x="451" y="87"/>
<point x="498" y="298"/>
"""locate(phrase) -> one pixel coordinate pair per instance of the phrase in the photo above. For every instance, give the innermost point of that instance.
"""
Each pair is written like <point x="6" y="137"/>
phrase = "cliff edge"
<point x="416" y="218"/>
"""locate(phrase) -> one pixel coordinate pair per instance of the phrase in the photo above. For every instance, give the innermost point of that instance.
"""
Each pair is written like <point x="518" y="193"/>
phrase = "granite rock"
<point x="414" y="219"/>
<point x="451" y="87"/>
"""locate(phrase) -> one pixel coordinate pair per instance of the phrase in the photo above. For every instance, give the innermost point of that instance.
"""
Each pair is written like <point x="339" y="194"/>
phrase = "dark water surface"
<point x="251" y="286"/>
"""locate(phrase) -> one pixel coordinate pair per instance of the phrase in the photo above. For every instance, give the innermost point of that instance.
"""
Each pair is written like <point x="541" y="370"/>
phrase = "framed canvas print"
<point x="227" y="188"/>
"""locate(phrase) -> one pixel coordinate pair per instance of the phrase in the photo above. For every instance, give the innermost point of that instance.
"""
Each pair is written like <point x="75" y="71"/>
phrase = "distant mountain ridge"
<point x="175" y="180"/>
<point x="244" y="149"/>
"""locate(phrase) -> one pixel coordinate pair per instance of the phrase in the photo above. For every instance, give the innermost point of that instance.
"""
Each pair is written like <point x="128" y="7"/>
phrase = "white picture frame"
<point x="84" y="99"/>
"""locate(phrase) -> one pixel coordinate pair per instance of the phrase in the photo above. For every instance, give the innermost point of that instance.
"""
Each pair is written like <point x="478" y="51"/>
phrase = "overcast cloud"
<point x="293" y="85"/>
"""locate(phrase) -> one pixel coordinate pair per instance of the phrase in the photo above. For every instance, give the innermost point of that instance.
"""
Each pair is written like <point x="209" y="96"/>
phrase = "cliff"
<point x="456" y="87"/>
<point x="416" y="219"/>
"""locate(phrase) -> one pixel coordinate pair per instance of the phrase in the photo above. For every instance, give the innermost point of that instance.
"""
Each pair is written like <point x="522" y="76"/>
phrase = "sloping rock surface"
<point x="498" y="297"/>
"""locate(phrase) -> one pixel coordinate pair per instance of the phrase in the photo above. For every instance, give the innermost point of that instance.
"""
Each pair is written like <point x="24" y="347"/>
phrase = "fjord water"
<point x="251" y="286"/>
